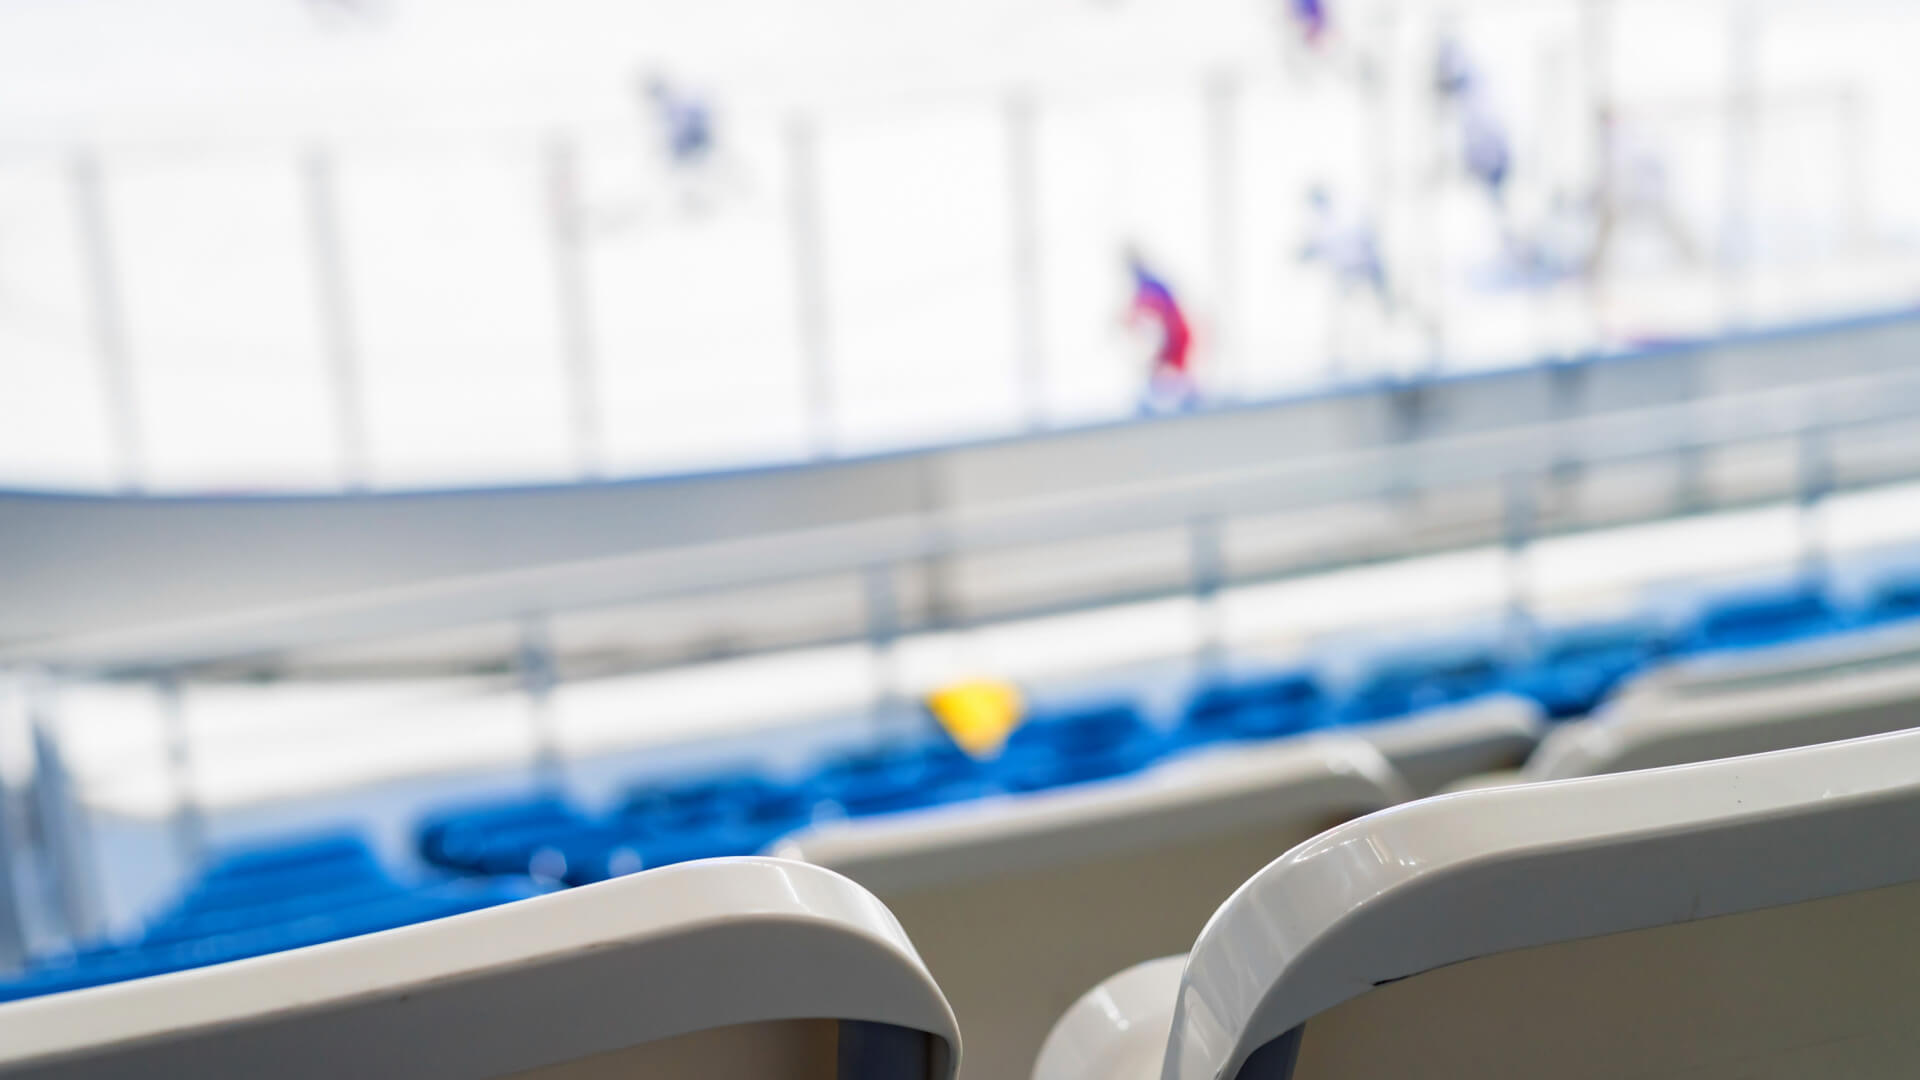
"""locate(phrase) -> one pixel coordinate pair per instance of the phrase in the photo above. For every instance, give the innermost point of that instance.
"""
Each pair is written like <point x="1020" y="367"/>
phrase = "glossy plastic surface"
<point x="1448" y="879"/>
<point x="528" y="985"/>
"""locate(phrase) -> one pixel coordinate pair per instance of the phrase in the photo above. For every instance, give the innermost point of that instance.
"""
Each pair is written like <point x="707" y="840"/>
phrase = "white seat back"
<point x="1798" y="706"/>
<point x="733" y="968"/>
<point x="1020" y="902"/>
<point x="1893" y="645"/>
<point x="1437" y="746"/>
<point x="1756" y="917"/>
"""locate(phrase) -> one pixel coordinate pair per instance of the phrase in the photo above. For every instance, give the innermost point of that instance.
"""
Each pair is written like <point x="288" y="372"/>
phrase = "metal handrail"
<point x="1807" y="414"/>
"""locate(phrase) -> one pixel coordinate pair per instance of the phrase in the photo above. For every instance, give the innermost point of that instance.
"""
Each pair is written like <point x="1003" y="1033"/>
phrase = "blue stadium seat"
<point x="345" y="852"/>
<point x="104" y="966"/>
<point x="1407" y="682"/>
<point x="723" y="799"/>
<point x="1076" y="747"/>
<point x="451" y="839"/>
<point x="1576" y="668"/>
<point x="1760" y="617"/>
<point x="899" y="777"/>
<point x="1256" y="708"/>
<point x="193" y="919"/>
<point x="261" y="899"/>
<point x="1893" y="598"/>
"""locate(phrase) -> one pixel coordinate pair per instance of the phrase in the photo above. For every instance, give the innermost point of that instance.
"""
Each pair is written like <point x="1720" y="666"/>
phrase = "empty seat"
<point x="1434" y="747"/>
<point x="898" y="777"/>
<point x="1893" y="598"/>
<point x="1408" y="682"/>
<point x="1019" y="902"/>
<point x="183" y="945"/>
<point x="1751" y="917"/>
<point x="451" y="839"/>
<point x="1261" y="707"/>
<point x="1762" y="617"/>
<point x="1705" y="674"/>
<point x="339" y="852"/>
<point x="283" y="870"/>
<point x="1576" y="668"/>
<point x="1076" y="747"/>
<point x="735" y="798"/>
<point x="731" y="969"/>
<point x="1798" y="708"/>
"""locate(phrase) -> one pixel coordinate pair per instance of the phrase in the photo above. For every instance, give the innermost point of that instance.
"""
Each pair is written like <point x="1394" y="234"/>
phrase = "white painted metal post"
<point x="62" y="827"/>
<point x="810" y="284"/>
<point x="333" y="296"/>
<point x="1023" y="213"/>
<point x="538" y="673"/>
<point x="573" y="306"/>
<point x="189" y="820"/>
<point x="1737" y="233"/>
<point x="1223" y="95"/>
<point x="108" y="321"/>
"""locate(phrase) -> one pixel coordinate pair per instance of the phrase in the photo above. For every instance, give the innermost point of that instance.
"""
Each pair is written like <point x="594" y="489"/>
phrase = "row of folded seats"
<point x="1568" y="674"/>
<point x="1748" y="917"/>
<point x="259" y="900"/>
<point x="264" y="900"/>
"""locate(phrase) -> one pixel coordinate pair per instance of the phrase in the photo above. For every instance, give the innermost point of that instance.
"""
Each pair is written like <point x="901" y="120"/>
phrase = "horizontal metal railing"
<point x="1515" y="471"/>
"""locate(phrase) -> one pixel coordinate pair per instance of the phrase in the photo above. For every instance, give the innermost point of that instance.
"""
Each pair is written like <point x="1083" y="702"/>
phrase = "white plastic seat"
<point x="1890" y="645"/>
<point x="1756" y="917"/>
<point x="1810" y="698"/>
<point x="1439" y="745"/>
<point x="1019" y="902"/>
<point x="733" y="968"/>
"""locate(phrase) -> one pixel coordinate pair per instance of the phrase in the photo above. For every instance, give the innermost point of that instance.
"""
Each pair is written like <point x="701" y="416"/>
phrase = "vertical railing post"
<point x="573" y="305"/>
<point x="1815" y="482"/>
<point x="1737" y="239"/>
<point x="57" y="807"/>
<point x="1023" y="213"/>
<point x="1223" y="99"/>
<point x="883" y="633"/>
<point x="1519" y="512"/>
<point x="1855" y="221"/>
<point x="333" y="297"/>
<point x="1206" y="573"/>
<point x="538" y="672"/>
<point x="810" y="284"/>
<point x="1596" y="41"/>
<point x="189" y="819"/>
<point x="108" y="320"/>
<point x="13" y="836"/>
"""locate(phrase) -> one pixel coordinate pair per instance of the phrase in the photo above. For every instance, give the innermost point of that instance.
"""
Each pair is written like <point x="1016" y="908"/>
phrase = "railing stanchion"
<point x="1815" y="484"/>
<point x="1207" y="573"/>
<point x="883" y="635"/>
<point x="63" y="831"/>
<point x="1224" y="93"/>
<point x="810" y="285"/>
<point x="14" y="841"/>
<point x="189" y="820"/>
<point x="573" y="301"/>
<point x="538" y="671"/>
<point x="108" y="320"/>
<point x="333" y="296"/>
<point x="1023" y="212"/>
<point x="1518" y="511"/>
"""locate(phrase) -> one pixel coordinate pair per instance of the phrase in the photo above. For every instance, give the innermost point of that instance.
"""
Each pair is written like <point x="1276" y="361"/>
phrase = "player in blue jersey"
<point x="1484" y="146"/>
<point x="1310" y="18"/>
<point x="686" y="123"/>
<point x="688" y="136"/>
<point x="1348" y="246"/>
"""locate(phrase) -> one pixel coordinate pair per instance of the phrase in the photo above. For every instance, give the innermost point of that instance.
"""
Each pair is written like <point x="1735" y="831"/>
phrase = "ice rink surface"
<point x="911" y="230"/>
